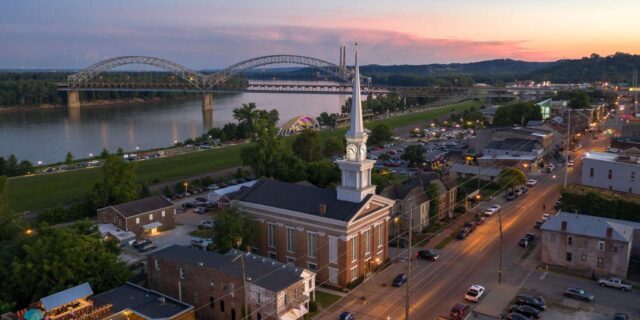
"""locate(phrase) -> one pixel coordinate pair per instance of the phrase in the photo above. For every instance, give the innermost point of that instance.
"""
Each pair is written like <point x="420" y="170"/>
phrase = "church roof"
<point x="301" y="198"/>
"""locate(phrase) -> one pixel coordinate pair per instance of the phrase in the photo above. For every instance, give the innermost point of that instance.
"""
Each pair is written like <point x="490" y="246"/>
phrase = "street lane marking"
<point x="544" y="275"/>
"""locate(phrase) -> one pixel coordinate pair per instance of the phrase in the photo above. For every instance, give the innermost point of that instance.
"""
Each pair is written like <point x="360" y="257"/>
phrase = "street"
<point x="437" y="286"/>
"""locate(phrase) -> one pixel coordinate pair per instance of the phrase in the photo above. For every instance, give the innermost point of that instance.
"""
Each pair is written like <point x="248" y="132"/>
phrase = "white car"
<point x="545" y="216"/>
<point x="531" y="182"/>
<point x="474" y="293"/>
<point x="496" y="207"/>
<point x="489" y="212"/>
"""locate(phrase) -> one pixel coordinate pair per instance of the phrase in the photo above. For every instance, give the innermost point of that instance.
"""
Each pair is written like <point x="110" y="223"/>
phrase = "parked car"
<point x="514" y="316"/>
<point x="462" y="234"/>
<point x="147" y="247"/>
<point x="201" y="243"/>
<point x="538" y="224"/>
<point x="496" y="207"/>
<point x="526" y="310"/>
<point x="571" y="163"/>
<point x="528" y="238"/>
<point x="480" y="220"/>
<point x="545" y="217"/>
<point x="532" y="182"/>
<point x="140" y="243"/>
<point x="201" y="199"/>
<point x="470" y="225"/>
<point x="428" y="254"/>
<point x="399" y="280"/>
<point x="459" y="311"/>
<point x="511" y="196"/>
<point x="213" y="187"/>
<point x="524" y="190"/>
<point x="201" y="210"/>
<point x="577" y="293"/>
<point x="188" y="205"/>
<point x="536" y="302"/>
<point x="620" y="316"/>
<point x="206" y="224"/>
<point x="519" y="192"/>
<point x="614" y="282"/>
<point x="489" y="212"/>
<point x="347" y="316"/>
<point x="550" y="168"/>
<point x="474" y="293"/>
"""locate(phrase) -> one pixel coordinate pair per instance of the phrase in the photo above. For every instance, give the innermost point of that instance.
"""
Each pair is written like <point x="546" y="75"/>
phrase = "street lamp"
<point x="39" y="162"/>
<point x="244" y="282"/>
<point x="396" y="221"/>
<point x="90" y="155"/>
<point x="186" y="186"/>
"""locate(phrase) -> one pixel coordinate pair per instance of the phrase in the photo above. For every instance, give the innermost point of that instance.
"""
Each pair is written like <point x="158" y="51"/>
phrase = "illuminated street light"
<point x="39" y="162"/>
<point x="28" y="232"/>
<point x="137" y="148"/>
<point x="90" y="155"/>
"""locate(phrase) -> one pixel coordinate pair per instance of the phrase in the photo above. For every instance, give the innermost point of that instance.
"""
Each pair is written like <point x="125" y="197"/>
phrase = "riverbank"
<point x="98" y="103"/>
<point x="38" y="192"/>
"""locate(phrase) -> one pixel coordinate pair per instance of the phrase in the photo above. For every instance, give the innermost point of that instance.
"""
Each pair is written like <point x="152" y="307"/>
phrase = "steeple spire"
<point x="356" y="128"/>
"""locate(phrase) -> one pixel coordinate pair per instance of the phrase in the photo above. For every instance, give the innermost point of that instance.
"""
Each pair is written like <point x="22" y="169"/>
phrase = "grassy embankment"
<point x="41" y="191"/>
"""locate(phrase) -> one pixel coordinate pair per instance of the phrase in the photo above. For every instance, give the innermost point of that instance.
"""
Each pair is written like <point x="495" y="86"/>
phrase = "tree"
<point x="12" y="166"/>
<point x="120" y="152"/>
<point x="326" y="119"/>
<point x="68" y="159"/>
<point x="120" y="183"/>
<point x="55" y="259"/>
<point x="307" y="146"/>
<point x="579" y="100"/>
<point x="234" y="229"/>
<point x="264" y="153"/>
<point x="230" y="131"/>
<point x="333" y="146"/>
<point x="518" y="114"/>
<point x="25" y="167"/>
<point x="9" y="222"/>
<point x="380" y="134"/>
<point x="104" y="154"/>
<point x="289" y="168"/>
<point x="414" y="154"/>
<point x="247" y="113"/>
<point x="512" y="177"/>
<point x="323" y="173"/>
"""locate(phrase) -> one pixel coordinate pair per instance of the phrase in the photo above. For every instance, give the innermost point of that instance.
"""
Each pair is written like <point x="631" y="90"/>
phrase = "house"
<point x="274" y="290"/>
<point x="612" y="171"/>
<point x="589" y="244"/>
<point x="142" y="216"/>
<point x="411" y="200"/>
<point x="340" y="234"/>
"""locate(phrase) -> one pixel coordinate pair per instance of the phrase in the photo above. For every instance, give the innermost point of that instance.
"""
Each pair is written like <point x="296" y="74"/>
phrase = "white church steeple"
<point x="356" y="168"/>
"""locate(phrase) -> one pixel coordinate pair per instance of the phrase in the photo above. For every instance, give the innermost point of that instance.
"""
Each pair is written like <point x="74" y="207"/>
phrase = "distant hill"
<point x="615" y="68"/>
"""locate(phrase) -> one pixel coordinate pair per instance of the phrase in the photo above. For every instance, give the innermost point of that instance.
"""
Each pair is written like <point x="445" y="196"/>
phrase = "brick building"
<point x="141" y="216"/>
<point x="213" y="283"/>
<point x="339" y="234"/>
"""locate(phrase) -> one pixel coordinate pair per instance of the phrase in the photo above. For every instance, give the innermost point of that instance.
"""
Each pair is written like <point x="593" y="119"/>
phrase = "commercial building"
<point x="141" y="216"/>
<point x="520" y="149"/>
<point x="340" y="234"/>
<point x="612" y="171"/>
<point x="216" y="283"/>
<point x="545" y="108"/>
<point x="589" y="245"/>
<point x="487" y="136"/>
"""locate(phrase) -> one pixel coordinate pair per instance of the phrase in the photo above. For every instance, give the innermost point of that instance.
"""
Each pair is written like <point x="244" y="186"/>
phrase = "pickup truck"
<point x="615" y="283"/>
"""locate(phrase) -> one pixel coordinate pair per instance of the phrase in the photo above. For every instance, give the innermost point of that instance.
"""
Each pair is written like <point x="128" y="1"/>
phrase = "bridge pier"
<point x="207" y="120"/>
<point x="73" y="99"/>
<point x="207" y="101"/>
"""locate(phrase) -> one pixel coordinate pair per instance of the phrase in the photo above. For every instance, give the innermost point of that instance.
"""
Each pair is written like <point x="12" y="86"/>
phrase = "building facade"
<point x="141" y="216"/>
<point x="214" y="283"/>
<point x="612" y="171"/>
<point x="588" y="244"/>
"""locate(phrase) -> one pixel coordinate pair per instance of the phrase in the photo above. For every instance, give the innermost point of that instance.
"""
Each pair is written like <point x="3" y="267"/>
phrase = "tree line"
<point x="10" y="167"/>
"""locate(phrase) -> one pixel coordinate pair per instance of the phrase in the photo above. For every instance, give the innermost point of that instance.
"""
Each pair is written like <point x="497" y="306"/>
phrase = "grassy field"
<point x="38" y="192"/>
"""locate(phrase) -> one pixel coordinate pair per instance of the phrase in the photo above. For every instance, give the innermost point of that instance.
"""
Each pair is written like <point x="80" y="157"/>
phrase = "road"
<point x="437" y="286"/>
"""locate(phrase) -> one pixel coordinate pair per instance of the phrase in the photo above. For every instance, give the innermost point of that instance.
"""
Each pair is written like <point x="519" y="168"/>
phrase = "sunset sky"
<point x="216" y="33"/>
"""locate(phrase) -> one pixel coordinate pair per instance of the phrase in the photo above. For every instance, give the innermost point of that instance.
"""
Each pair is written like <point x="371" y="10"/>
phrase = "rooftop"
<point x="134" y="208"/>
<point x="613" y="157"/>
<point x="592" y="226"/>
<point x="147" y="303"/>
<point x="484" y="171"/>
<point x="66" y="296"/>
<point x="262" y="271"/>
<point x="514" y="145"/>
<point x="301" y="198"/>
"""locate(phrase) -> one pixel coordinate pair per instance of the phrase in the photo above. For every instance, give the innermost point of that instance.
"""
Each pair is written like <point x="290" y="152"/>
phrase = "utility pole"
<point x="566" y="168"/>
<point x="635" y="93"/>
<point x="500" y="263"/>
<point x="408" y="287"/>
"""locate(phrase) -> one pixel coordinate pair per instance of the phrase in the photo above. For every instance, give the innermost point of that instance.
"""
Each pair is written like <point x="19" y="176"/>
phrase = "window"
<point x="222" y="305"/>
<point x="354" y="249"/>
<point x="212" y="303"/>
<point x="163" y="213"/>
<point x="150" y="216"/>
<point x="568" y="256"/>
<point x="290" y="239"/>
<point x="569" y="240"/>
<point x="354" y="273"/>
<point x="610" y="188"/>
<point x="333" y="249"/>
<point x="137" y="220"/>
<point x="630" y="190"/>
<point x="312" y="239"/>
<point x="225" y="288"/>
<point x="367" y="242"/>
<point x="312" y="266"/>
<point x="584" y="257"/>
<point x="615" y="249"/>
<point x="271" y="235"/>
<point x="380" y="235"/>
<point x="181" y="273"/>
<point x="272" y="255"/>
<point x="633" y="176"/>
<point x="259" y="298"/>
<point x="591" y="173"/>
<point x="600" y="262"/>
<point x="600" y="245"/>
<point x="610" y="174"/>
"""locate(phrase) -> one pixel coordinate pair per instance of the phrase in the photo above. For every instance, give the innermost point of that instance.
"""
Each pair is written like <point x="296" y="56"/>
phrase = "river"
<point x="46" y="135"/>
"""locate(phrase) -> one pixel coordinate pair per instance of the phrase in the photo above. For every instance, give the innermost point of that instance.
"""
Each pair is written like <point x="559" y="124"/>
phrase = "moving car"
<point x="577" y="293"/>
<point x="399" y="280"/>
<point x="428" y="254"/>
<point x="536" y="302"/>
<point x="531" y="182"/>
<point x="347" y="316"/>
<point x="474" y="293"/>
<point x="614" y="282"/>
<point x="459" y="311"/>
<point x="525" y="310"/>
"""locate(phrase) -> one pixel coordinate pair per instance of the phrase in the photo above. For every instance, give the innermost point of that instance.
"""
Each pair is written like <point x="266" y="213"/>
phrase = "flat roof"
<point x="66" y="296"/>
<point x="145" y="302"/>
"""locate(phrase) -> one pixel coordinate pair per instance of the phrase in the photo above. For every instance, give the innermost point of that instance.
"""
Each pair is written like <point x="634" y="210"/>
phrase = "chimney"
<point x="609" y="232"/>
<point x="564" y="226"/>
<point x="322" y="209"/>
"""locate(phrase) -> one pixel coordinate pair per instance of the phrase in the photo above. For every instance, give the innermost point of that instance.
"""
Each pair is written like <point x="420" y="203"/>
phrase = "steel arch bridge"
<point x="199" y="81"/>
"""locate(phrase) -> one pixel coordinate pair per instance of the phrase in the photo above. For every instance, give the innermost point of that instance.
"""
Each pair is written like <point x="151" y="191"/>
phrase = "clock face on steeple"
<point x="352" y="149"/>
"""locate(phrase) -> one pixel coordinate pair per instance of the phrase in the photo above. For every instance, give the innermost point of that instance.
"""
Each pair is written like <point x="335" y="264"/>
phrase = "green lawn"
<point x="325" y="299"/>
<point x="41" y="191"/>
